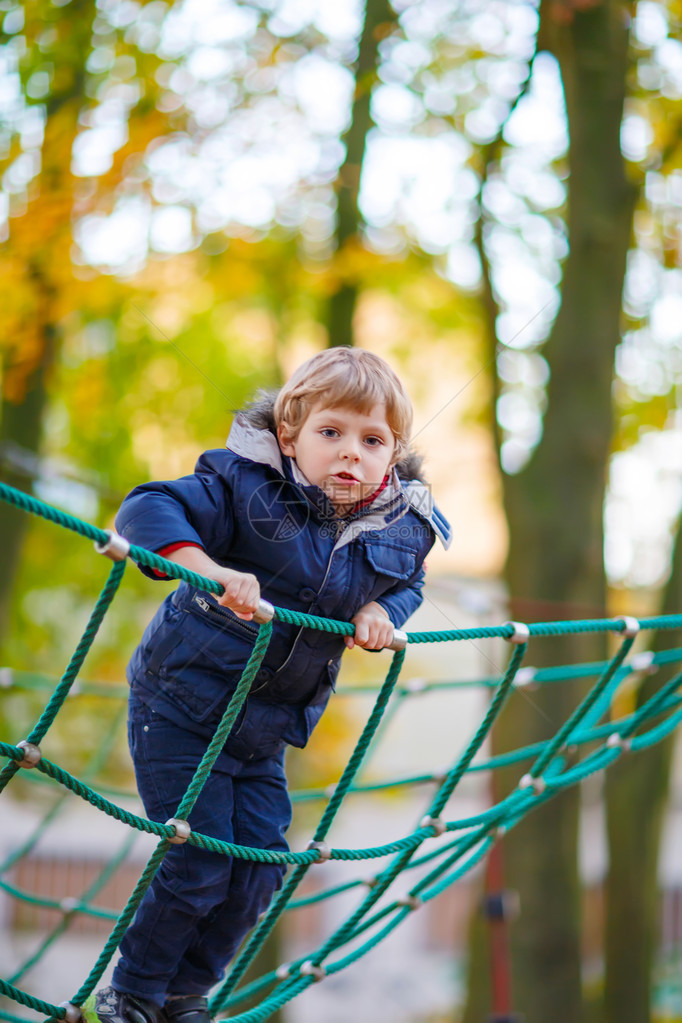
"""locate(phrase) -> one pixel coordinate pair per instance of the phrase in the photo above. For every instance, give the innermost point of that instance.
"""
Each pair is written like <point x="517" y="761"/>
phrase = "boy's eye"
<point x="329" y="431"/>
<point x="373" y="441"/>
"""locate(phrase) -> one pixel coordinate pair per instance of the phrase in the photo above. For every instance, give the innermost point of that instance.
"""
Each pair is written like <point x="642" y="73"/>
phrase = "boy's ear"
<point x="283" y="439"/>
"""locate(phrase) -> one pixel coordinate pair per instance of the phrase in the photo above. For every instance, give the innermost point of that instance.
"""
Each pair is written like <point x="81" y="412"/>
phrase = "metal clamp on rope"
<point x="619" y="742"/>
<point x="521" y="633"/>
<point x="525" y="678"/>
<point x="72" y="1012"/>
<point x="399" y="641"/>
<point x="116" y="547"/>
<point x="439" y="826"/>
<point x="182" y="830"/>
<point x="630" y="628"/>
<point x="410" y="902"/>
<point x="529" y="781"/>
<point x="644" y="662"/>
<point x="321" y="848"/>
<point x="311" y="969"/>
<point x="32" y="754"/>
<point x="415" y="685"/>
<point x="265" y="612"/>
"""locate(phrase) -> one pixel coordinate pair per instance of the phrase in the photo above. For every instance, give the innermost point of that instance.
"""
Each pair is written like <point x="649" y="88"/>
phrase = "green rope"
<point x="261" y="933"/>
<point x="61" y="692"/>
<point x="464" y="841"/>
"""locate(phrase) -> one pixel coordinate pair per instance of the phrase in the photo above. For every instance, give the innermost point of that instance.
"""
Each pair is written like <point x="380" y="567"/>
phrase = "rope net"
<point x="461" y="843"/>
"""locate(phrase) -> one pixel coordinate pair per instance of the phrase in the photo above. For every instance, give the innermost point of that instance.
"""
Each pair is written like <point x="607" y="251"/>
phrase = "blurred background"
<point x="195" y="197"/>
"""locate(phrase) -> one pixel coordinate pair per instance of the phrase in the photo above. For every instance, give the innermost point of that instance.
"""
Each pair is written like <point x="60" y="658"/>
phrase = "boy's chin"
<point x="344" y="502"/>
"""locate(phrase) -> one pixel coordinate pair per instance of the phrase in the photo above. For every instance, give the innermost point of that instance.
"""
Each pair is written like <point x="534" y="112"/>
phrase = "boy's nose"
<point x="351" y="450"/>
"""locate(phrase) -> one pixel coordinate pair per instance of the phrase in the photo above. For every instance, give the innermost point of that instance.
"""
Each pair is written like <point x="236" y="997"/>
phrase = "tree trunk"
<point x="636" y="796"/>
<point x="379" y="20"/>
<point x="20" y="425"/>
<point x="554" y="506"/>
<point x="28" y="358"/>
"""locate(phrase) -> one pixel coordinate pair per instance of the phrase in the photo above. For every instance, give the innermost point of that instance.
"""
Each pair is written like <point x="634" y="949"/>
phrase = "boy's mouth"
<point x="345" y="477"/>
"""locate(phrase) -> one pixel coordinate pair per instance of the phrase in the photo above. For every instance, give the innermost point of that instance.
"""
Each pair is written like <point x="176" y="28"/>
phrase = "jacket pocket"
<point x="390" y="559"/>
<point x="193" y="672"/>
<point x="210" y="612"/>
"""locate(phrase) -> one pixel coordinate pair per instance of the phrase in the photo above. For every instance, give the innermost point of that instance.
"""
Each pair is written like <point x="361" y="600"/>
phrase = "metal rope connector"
<point x="116" y="547"/>
<point x="630" y="628"/>
<point x="399" y="641"/>
<point x="529" y="781"/>
<point x="311" y="969"/>
<point x="72" y="1012"/>
<point x="644" y="662"/>
<point x="32" y="754"/>
<point x="415" y="685"/>
<point x="322" y="849"/>
<point x="437" y="823"/>
<point x="265" y="612"/>
<point x="182" y="830"/>
<point x="619" y="742"/>
<point x="410" y="902"/>
<point x="520" y="635"/>
<point x="525" y="678"/>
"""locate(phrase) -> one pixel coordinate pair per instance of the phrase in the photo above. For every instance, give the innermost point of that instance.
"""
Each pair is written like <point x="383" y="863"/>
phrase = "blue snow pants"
<point x="200" y="904"/>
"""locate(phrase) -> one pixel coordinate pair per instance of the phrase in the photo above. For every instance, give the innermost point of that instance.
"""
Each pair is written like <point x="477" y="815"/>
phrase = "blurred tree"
<point x="55" y="63"/>
<point x="216" y="166"/>
<point x="636" y="792"/>
<point x="554" y="504"/>
<point x="379" y="19"/>
<point x="32" y="271"/>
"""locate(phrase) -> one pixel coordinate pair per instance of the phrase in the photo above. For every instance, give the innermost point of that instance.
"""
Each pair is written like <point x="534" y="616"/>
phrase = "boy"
<point x="306" y="507"/>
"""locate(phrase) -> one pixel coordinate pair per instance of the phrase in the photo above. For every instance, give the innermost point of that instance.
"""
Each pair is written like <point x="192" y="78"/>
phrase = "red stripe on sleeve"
<point x="165" y="551"/>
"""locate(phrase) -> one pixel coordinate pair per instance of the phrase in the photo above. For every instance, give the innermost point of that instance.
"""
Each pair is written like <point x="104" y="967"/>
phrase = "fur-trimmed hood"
<point x="254" y="436"/>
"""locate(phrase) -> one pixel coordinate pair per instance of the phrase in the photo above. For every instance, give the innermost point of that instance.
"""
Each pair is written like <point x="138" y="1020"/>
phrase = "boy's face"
<point x="344" y="452"/>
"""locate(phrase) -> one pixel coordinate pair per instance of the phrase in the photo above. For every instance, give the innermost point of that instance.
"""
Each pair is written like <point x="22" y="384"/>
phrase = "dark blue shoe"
<point x="188" y="1009"/>
<point x="114" y="1006"/>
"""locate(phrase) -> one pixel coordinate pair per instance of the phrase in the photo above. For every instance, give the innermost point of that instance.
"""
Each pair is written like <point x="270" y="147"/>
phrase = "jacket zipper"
<point x="206" y="606"/>
<point x="300" y="631"/>
<point x="209" y="608"/>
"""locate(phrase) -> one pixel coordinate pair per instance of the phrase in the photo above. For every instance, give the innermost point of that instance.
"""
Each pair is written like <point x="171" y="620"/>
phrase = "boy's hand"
<point x="241" y="593"/>
<point x="373" y="628"/>
<point x="241" y="589"/>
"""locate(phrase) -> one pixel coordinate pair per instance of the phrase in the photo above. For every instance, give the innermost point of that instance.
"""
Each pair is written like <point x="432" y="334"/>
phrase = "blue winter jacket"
<point x="250" y="508"/>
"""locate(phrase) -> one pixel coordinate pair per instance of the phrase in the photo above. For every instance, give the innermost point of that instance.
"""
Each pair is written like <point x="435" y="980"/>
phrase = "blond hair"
<point x="350" y="378"/>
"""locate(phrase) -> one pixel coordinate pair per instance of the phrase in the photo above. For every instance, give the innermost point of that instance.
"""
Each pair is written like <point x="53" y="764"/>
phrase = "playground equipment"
<point x="462" y="843"/>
